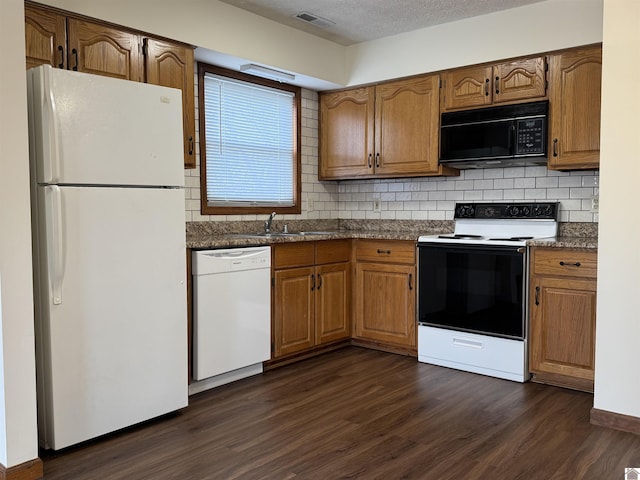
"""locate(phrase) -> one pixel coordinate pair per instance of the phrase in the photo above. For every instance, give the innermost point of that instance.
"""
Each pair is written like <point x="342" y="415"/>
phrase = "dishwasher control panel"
<point x="206" y="262"/>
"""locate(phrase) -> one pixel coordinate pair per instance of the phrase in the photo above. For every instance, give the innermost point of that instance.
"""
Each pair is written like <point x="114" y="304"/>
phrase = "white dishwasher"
<point x="231" y="314"/>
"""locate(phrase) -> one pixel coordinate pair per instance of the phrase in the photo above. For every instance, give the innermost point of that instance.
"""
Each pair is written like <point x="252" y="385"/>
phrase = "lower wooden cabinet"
<point x="385" y="297"/>
<point x="563" y="317"/>
<point x="311" y="295"/>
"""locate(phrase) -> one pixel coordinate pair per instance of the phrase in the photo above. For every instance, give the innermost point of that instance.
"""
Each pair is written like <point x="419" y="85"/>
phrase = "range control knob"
<point x="514" y="211"/>
<point x="466" y="211"/>
<point x="542" y="210"/>
<point x="526" y="211"/>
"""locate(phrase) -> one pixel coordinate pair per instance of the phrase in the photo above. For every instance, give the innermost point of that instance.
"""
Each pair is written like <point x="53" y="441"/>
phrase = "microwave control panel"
<point x="531" y="136"/>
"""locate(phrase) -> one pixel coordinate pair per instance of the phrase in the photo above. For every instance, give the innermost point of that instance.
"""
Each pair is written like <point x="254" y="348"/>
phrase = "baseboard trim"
<point x="617" y="421"/>
<point x="31" y="470"/>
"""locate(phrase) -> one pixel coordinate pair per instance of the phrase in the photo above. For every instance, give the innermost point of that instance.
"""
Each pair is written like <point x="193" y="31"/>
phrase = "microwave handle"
<point x="512" y="138"/>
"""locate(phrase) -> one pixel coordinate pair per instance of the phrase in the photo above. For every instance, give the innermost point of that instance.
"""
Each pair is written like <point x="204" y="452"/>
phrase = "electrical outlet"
<point x="376" y="204"/>
<point x="310" y="205"/>
<point x="595" y="204"/>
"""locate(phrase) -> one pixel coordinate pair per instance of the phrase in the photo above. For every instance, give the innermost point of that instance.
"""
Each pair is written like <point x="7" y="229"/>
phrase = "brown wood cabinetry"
<point x="64" y="41"/>
<point x="388" y="130"/>
<point x="385" y="298"/>
<point x="481" y="86"/>
<point x="563" y="317"/>
<point x="172" y="65"/>
<point x="574" y="109"/>
<point x="311" y="295"/>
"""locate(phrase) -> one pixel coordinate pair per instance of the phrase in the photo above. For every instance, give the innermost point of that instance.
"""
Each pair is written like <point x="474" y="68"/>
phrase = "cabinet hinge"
<point x="273" y="281"/>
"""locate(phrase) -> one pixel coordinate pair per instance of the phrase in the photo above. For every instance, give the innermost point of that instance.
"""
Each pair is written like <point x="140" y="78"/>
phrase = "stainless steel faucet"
<point x="268" y="222"/>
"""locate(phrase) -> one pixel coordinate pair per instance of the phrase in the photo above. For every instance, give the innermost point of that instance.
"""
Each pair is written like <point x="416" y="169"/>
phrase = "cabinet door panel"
<point x="45" y="38"/>
<point x="467" y="87"/>
<point x="293" y="310"/>
<point x="407" y="127"/>
<point x="385" y="303"/>
<point x="346" y="133"/>
<point x="563" y="326"/>
<point x="171" y="65"/>
<point x="519" y="80"/>
<point x="333" y="291"/>
<point x="98" y="49"/>
<point x="574" y="109"/>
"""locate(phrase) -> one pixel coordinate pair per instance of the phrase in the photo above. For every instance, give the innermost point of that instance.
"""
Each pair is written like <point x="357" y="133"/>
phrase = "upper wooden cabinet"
<point x="574" y="109"/>
<point x="171" y="65"/>
<point x="64" y="41"/>
<point x="519" y="80"/>
<point x="390" y="130"/>
<point x="45" y="38"/>
<point x="102" y="50"/>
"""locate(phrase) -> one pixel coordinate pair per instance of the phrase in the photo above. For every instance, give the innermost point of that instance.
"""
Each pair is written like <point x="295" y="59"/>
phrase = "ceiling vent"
<point x="314" y="19"/>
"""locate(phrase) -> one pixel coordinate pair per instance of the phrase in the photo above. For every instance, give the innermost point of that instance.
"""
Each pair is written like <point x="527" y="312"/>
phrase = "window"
<point x="249" y="143"/>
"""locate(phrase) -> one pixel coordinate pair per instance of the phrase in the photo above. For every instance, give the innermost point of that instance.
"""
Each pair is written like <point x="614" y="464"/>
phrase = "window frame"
<point x="203" y="69"/>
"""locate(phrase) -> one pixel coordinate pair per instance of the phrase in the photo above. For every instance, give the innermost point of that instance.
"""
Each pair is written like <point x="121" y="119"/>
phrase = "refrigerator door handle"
<point x="53" y="197"/>
<point x="51" y="160"/>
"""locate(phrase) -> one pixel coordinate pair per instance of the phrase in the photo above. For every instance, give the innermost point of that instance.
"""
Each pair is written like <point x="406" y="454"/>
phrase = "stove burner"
<point x="511" y="239"/>
<point x="461" y="236"/>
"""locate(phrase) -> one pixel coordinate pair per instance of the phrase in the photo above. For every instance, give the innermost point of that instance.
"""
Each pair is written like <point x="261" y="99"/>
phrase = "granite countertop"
<point x="201" y="235"/>
<point x="571" y="235"/>
<point x="233" y="234"/>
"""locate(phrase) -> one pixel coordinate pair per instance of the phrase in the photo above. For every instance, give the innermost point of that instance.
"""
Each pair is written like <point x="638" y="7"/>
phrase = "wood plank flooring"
<point x="358" y="413"/>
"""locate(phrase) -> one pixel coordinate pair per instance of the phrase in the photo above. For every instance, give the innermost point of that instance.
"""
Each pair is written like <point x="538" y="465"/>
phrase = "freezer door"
<point x="94" y="130"/>
<point x="112" y="314"/>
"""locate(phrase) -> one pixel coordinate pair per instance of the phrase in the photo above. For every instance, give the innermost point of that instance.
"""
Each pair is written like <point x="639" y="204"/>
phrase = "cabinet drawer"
<point x="293" y="255"/>
<point x="388" y="251"/>
<point x="333" y="251"/>
<point x="565" y="262"/>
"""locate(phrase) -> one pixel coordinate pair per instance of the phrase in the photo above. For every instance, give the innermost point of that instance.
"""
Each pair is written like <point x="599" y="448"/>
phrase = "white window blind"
<point x="249" y="143"/>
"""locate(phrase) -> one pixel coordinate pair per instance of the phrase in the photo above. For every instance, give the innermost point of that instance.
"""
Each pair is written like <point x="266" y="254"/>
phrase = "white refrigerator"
<point x="109" y="253"/>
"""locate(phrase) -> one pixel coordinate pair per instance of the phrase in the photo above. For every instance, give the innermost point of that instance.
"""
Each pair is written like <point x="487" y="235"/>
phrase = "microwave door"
<point x="490" y="139"/>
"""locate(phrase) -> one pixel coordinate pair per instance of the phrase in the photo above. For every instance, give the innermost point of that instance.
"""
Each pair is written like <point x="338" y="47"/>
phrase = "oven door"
<point x="473" y="288"/>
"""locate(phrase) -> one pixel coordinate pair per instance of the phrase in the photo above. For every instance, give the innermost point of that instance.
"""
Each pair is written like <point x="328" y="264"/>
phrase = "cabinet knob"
<point x="555" y="147"/>
<point x="497" y="85"/>
<point x="537" y="295"/>
<point x="369" y="161"/>
<point x="190" y="145"/>
<point x="384" y="252"/>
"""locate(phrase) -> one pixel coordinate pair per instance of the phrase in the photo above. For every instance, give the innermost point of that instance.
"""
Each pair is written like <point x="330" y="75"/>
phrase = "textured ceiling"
<point x="362" y="20"/>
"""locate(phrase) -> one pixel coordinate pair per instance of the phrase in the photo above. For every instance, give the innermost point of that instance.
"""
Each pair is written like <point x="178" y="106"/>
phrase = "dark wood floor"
<point x="357" y="413"/>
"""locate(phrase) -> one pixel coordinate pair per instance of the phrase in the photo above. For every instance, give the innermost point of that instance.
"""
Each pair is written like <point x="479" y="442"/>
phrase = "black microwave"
<point x="508" y="135"/>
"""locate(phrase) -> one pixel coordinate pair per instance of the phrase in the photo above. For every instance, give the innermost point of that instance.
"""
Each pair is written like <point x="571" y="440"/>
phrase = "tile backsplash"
<point x="413" y="198"/>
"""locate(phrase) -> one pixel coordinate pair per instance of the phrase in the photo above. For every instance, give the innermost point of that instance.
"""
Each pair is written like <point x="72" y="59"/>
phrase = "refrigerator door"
<point x="112" y="314"/>
<point x="94" y="130"/>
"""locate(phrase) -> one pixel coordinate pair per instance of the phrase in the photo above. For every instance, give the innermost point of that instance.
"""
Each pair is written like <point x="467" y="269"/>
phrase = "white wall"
<point x="18" y="435"/>
<point x="617" y="382"/>
<point x="540" y="27"/>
